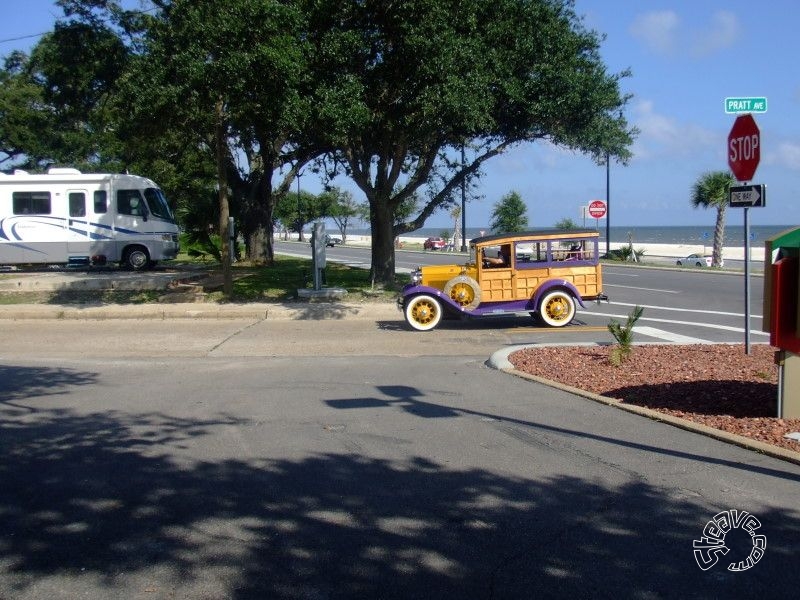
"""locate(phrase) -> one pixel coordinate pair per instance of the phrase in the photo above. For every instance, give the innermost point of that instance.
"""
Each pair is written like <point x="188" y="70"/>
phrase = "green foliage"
<point x="624" y="337"/>
<point x="402" y="87"/>
<point x="342" y="208"/>
<point x="711" y="189"/>
<point x="299" y="209"/>
<point x="390" y="92"/>
<point x="566" y="224"/>
<point x="281" y="281"/>
<point x="625" y="253"/>
<point x="56" y="102"/>
<point x="509" y="214"/>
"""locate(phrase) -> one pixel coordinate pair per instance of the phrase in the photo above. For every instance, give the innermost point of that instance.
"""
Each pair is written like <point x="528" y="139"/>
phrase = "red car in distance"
<point x="434" y="244"/>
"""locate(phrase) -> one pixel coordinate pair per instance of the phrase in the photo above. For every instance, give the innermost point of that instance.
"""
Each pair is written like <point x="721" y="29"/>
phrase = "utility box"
<point x="318" y="253"/>
<point x="781" y="315"/>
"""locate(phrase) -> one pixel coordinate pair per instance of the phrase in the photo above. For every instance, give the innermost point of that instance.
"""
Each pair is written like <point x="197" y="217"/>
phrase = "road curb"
<point x="499" y="360"/>
<point x="259" y="311"/>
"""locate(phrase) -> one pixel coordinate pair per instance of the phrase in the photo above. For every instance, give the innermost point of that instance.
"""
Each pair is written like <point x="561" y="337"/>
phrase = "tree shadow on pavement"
<point x="100" y="505"/>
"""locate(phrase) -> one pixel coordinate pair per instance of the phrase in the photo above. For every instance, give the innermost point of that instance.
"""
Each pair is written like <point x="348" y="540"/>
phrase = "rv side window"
<point x="77" y="204"/>
<point x="100" y="202"/>
<point x="129" y="202"/>
<point x="31" y="203"/>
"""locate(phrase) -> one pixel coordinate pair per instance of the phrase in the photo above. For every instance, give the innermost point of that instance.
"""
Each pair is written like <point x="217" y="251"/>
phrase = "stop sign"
<point x="597" y="209"/>
<point x="744" y="147"/>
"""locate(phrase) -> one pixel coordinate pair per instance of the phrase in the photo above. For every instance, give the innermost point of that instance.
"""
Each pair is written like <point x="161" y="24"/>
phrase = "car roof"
<point x="537" y="233"/>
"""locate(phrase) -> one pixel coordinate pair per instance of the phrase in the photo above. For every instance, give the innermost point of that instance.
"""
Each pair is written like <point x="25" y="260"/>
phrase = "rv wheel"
<point x="137" y="258"/>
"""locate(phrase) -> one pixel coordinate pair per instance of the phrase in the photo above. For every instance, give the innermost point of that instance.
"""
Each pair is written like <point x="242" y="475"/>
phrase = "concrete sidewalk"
<point x="254" y="311"/>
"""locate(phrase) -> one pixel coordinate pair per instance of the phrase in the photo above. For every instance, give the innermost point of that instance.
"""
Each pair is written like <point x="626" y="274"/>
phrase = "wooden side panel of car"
<point x="586" y="279"/>
<point x="497" y="285"/>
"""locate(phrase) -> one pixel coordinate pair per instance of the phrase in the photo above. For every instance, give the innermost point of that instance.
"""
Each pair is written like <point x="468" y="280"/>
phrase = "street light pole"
<point x="299" y="220"/>
<point x="463" y="206"/>
<point x="608" y="205"/>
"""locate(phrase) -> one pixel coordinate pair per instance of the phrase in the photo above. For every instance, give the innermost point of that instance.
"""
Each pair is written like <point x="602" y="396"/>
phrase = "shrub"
<point x="624" y="337"/>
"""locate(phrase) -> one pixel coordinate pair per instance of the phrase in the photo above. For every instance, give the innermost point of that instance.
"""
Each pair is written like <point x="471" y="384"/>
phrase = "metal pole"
<point x="608" y="205"/>
<point x="463" y="206"/>
<point x="746" y="280"/>
<point x="299" y="220"/>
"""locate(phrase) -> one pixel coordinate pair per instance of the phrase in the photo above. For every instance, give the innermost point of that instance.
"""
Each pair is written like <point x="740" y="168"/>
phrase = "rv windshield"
<point x="158" y="204"/>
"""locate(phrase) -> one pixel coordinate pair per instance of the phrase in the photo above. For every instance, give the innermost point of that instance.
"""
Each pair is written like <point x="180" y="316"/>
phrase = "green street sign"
<point x="745" y="105"/>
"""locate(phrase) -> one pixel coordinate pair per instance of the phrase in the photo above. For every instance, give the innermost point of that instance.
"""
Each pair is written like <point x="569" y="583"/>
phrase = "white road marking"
<point x="692" y="310"/>
<point x="630" y="287"/>
<point x="674" y="338"/>
<point x="674" y="322"/>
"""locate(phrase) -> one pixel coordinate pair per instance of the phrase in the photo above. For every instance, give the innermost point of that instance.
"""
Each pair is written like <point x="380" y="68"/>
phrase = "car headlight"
<point x="416" y="276"/>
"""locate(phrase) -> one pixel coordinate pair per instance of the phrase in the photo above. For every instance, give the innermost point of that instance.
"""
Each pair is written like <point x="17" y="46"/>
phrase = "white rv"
<point x="69" y="217"/>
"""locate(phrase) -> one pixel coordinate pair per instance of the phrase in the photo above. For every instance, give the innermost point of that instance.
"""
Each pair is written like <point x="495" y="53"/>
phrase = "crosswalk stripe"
<point x="675" y="338"/>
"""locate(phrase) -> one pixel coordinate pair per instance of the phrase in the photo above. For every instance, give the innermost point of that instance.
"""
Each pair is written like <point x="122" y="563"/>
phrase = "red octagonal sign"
<point x="597" y="209"/>
<point x="744" y="147"/>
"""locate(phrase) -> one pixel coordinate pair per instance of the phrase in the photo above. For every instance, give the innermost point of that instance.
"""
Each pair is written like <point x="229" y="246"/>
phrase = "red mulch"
<point x="717" y="385"/>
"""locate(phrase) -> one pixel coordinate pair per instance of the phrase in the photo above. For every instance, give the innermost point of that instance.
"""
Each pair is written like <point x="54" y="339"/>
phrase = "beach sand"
<point x="676" y="251"/>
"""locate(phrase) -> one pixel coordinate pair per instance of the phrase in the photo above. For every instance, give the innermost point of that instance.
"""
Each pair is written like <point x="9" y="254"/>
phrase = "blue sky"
<point x="686" y="57"/>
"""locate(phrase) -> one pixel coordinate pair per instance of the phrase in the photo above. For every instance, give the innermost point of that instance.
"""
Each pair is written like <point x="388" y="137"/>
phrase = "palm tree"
<point x="712" y="190"/>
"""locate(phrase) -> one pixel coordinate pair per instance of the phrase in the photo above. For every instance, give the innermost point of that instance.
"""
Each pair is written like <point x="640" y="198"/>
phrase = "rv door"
<point x="77" y="225"/>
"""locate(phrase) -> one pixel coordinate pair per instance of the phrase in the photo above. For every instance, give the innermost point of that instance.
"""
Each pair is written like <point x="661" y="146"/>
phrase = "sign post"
<point x="744" y="154"/>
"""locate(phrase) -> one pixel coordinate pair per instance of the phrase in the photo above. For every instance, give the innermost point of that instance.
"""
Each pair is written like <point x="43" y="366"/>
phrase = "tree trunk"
<point x="719" y="237"/>
<point x="381" y="221"/>
<point x="256" y="243"/>
<point x="224" y="208"/>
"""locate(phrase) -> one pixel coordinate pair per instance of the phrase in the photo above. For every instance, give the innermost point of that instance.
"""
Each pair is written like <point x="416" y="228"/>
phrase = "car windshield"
<point x="158" y="204"/>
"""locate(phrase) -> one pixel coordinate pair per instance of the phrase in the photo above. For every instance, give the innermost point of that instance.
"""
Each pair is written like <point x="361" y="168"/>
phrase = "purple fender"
<point x="556" y="283"/>
<point x="413" y="290"/>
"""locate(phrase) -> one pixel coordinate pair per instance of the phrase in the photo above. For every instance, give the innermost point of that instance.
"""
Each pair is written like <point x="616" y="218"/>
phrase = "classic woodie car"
<point x="545" y="273"/>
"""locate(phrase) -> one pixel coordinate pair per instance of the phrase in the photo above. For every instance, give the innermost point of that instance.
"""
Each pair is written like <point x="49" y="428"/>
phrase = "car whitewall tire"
<point x="557" y="308"/>
<point x="423" y="312"/>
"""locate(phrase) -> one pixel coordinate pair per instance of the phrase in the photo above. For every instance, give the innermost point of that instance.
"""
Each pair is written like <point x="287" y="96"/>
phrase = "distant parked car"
<point x="434" y="244"/>
<point x="696" y="260"/>
<point x="332" y="241"/>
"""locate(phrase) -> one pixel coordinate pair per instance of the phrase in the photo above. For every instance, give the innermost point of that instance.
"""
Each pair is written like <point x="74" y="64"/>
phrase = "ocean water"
<point x="692" y="235"/>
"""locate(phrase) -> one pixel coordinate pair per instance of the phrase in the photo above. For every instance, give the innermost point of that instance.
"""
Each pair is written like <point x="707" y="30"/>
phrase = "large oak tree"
<point x="403" y="86"/>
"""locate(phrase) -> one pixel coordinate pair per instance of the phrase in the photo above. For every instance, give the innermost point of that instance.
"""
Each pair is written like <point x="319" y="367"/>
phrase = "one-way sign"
<point x="748" y="196"/>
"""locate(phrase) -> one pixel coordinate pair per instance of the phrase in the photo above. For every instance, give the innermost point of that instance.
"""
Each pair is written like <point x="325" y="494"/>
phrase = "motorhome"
<point x="73" y="218"/>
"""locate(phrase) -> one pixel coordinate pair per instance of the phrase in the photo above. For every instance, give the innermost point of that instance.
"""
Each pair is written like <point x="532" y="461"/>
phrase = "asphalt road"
<point x="352" y="458"/>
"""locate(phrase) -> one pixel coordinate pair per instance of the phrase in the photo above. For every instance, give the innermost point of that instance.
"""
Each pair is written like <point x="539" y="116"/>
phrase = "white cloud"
<point x="664" y="136"/>
<point x="664" y="33"/>
<point x="658" y="30"/>
<point x="787" y="155"/>
<point x="722" y="33"/>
